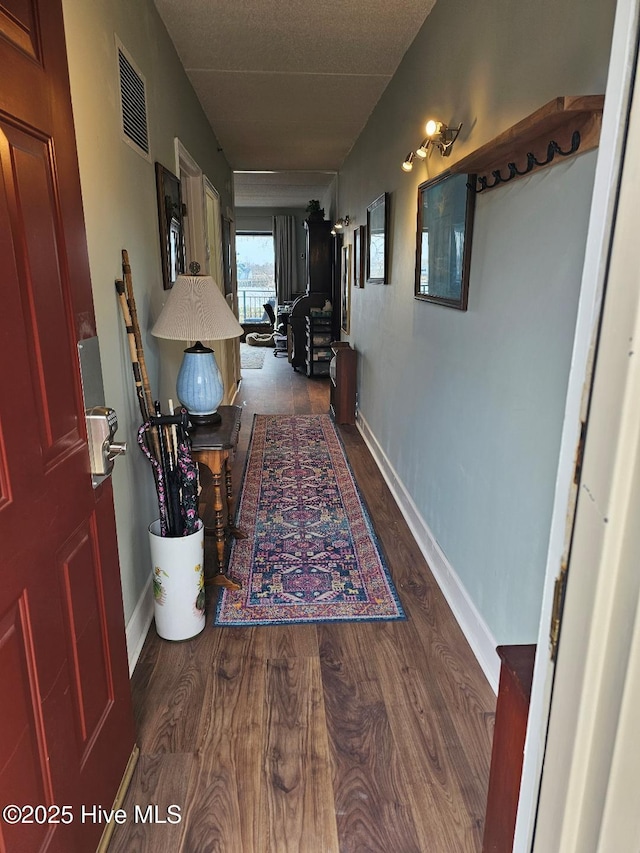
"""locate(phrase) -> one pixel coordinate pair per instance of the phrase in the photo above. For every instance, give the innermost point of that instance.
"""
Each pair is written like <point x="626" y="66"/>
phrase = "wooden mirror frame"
<point x="452" y="203"/>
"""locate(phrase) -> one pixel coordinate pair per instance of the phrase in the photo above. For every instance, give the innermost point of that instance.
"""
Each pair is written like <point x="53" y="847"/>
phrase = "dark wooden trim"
<point x="512" y="713"/>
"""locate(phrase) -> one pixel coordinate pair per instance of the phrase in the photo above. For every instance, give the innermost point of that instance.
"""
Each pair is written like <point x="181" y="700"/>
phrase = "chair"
<point x="271" y="314"/>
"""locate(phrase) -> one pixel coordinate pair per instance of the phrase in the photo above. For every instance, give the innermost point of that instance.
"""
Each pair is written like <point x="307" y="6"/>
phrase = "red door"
<point x="66" y="724"/>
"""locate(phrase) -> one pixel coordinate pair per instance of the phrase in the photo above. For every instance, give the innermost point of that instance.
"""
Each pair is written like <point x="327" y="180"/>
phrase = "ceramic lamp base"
<point x="199" y="385"/>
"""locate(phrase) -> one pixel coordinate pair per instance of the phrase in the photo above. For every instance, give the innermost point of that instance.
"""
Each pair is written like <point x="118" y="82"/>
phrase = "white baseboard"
<point x="471" y="622"/>
<point x="138" y="625"/>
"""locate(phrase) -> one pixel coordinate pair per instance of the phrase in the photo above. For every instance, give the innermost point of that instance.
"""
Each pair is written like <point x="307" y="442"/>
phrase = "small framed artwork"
<point x="359" y="237"/>
<point x="345" y="290"/>
<point x="443" y="248"/>
<point x="378" y="240"/>
<point x="171" y="225"/>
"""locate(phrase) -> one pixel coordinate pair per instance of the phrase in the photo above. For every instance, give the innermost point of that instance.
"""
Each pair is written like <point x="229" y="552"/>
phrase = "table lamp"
<point x="197" y="311"/>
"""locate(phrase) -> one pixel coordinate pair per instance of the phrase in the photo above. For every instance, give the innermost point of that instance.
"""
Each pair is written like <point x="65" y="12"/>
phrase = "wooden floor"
<point x="315" y="738"/>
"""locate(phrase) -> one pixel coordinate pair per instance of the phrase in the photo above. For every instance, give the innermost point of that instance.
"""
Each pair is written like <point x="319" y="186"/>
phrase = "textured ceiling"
<point x="288" y="86"/>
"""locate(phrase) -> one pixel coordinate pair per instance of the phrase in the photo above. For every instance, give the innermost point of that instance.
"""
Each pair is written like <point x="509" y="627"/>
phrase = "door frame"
<point x="190" y="175"/>
<point x="601" y="224"/>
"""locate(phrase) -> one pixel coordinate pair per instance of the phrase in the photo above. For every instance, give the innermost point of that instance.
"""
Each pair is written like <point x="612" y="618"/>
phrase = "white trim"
<point x="192" y="186"/>
<point x="596" y="656"/>
<point x="596" y="254"/>
<point x="138" y="625"/>
<point x="464" y="610"/>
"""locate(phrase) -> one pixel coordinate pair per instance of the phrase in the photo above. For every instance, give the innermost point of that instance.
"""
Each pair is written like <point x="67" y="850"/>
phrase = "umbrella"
<point x="175" y="471"/>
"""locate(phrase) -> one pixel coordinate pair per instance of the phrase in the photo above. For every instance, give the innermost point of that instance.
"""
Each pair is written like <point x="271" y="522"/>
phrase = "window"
<point x="256" y="280"/>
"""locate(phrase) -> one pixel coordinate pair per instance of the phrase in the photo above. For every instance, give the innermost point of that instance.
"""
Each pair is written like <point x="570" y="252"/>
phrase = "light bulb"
<point x="408" y="162"/>
<point x="432" y="127"/>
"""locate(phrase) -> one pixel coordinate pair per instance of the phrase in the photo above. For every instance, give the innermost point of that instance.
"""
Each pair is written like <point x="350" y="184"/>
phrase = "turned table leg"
<point x="220" y="579"/>
<point x="236" y="532"/>
<point x="218" y="522"/>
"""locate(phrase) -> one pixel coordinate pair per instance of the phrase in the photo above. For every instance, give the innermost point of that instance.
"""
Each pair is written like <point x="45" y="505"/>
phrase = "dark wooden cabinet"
<point x="342" y="372"/>
<point x="319" y="258"/>
<point x="512" y="712"/>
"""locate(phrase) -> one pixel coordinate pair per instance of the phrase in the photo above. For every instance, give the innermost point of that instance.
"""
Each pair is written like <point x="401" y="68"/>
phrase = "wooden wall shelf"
<point x="557" y="122"/>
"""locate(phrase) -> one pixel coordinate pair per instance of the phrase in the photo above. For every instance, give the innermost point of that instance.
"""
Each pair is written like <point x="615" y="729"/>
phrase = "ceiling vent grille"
<point x="133" y="98"/>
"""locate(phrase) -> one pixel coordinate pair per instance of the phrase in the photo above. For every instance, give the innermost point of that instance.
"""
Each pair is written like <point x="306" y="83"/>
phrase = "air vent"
<point x="133" y="99"/>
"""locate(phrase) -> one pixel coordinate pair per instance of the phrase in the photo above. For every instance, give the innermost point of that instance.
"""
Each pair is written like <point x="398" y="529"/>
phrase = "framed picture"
<point x="170" y="225"/>
<point x="359" y="236"/>
<point x="443" y="248"/>
<point x="345" y="290"/>
<point x="378" y="240"/>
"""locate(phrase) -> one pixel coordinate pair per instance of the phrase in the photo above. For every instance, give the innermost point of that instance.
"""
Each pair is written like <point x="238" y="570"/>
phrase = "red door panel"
<point x="86" y="636"/>
<point x="30" y="189"/>
<point x="23" y="749"/>
<point x="19" y="25"/>
<point x="66" y="723"/>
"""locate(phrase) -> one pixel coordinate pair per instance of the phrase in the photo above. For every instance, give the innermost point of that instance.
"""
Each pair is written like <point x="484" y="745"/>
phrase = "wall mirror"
<point x="378" y="240"/>
<point x="443" y="250"/>
<point x="170" y="225"/>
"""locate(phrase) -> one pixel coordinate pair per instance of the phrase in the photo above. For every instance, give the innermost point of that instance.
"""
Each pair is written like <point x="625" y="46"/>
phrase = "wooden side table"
<point x="342" y="393"/>
<point x="214" y="445"/>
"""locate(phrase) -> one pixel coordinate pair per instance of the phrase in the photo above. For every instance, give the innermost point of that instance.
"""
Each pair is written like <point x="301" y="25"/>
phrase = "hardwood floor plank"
<point x="176" y="693"/>
<point x="297" y="794"/>
<point x="429" y="739"/>
<point x="371" y="788"/>
<point x="291" y="641"/>
<point x="159" y="780"/>
<point x="225" y="786"/>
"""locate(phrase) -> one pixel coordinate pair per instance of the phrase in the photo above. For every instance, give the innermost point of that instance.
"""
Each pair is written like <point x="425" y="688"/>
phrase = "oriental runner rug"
<point x="311" y="554"/>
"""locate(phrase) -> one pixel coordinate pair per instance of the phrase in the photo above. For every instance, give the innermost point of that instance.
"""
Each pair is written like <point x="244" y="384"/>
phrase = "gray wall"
<point x="121" y="211"/>
<point x="466" y="408"/>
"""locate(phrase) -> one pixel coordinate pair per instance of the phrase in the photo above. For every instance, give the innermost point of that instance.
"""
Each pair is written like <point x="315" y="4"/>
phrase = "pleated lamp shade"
<point x="195" y="311"/>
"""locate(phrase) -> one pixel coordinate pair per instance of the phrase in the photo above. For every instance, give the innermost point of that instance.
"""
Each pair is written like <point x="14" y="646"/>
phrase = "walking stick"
<point x="133" y="352"/>
<point x="135" y="326"/>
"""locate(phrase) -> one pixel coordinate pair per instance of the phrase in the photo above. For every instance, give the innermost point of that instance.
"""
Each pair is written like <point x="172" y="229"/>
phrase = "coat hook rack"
<point x="572" y="123"/>
<point x="482" y="183"/>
